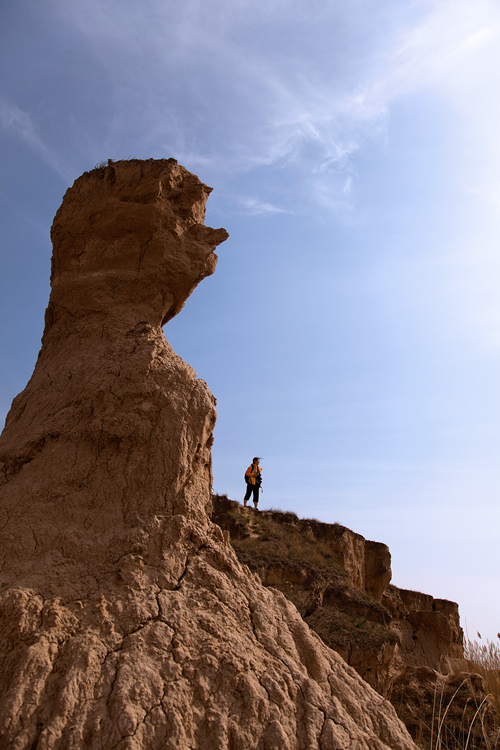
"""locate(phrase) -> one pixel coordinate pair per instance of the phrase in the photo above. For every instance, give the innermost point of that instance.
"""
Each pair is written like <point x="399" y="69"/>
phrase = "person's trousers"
<point x="252" y="488"/>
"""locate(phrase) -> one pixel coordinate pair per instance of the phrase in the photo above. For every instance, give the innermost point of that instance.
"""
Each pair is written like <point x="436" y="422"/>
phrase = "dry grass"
<point x="483" y="657"/>
<point x="480" y="673"/>
<point x="284" y="541"/>
<point x="472" y="731"/>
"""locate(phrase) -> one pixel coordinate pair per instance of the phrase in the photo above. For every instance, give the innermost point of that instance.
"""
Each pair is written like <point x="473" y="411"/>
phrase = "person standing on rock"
<point x="253" y="478"/>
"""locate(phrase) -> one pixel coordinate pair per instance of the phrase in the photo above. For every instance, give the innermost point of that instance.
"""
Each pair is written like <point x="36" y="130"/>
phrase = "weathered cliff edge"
<point x="404" y="628"/>
<point x="406" y="644"/>
<point x="126" y="620"/>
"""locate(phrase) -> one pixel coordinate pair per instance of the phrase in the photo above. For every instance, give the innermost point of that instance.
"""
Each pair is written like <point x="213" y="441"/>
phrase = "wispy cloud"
<point x="432" y="53"/>
<point x="257" y="207"/>
<point x="18" y="122"/>
<point x="243" y="87"/>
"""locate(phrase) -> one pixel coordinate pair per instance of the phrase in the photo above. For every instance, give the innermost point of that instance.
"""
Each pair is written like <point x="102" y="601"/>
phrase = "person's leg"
<point x="255" y="497"/>
<point x="247" y="494"/>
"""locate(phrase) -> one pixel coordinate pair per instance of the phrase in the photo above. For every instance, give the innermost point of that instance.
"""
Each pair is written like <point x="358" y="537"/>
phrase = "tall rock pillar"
<point x="126" y="620"/>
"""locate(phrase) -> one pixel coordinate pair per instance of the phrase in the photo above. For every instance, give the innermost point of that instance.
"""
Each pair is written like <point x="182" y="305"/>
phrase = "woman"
<point x="253" y="478"/>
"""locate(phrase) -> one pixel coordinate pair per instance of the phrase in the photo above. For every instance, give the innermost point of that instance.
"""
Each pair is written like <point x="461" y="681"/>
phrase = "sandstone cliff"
<point x="126" y="619"/>
<point x="407" y="645"/>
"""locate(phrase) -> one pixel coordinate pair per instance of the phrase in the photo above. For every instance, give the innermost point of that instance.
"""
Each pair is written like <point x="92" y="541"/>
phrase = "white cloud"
<point x="257" y="207"/>
<point x="230" y="85"/>
<point x="432" y="53"/>
<point x="15" y="120"/>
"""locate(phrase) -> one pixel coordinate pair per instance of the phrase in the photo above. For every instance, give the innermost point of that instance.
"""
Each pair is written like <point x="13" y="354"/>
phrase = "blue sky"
<point x="351" y="332"/>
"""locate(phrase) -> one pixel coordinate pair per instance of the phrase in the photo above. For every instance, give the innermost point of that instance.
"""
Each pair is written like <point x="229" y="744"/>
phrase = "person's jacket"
<point x="253" y="474"/>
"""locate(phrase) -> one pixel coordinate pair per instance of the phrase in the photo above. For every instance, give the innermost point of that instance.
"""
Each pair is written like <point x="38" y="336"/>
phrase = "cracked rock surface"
<point x="126" y="620"/>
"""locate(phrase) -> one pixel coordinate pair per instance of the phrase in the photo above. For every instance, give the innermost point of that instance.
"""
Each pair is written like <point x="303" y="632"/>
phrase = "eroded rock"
<point x="126" y="620"/>
<point x="405" y="644"/>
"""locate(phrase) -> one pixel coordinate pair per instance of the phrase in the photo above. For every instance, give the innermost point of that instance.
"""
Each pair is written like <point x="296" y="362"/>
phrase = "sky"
<point x="351" y="331"/>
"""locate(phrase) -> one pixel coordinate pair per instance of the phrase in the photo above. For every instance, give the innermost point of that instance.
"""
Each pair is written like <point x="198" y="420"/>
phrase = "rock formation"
<point x="400" y="628"/>
<point x="407" y="645"/>
<point x="126" y="620"/>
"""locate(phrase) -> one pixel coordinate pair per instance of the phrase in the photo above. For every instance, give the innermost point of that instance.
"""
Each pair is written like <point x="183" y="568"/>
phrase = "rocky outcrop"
<point x="428" y="629"/>
<point x="113" y="428"/>
<point x="407" y="645"/>
<point x="367" y="564"/>
<point x="126" y="619"/>
<point x="406" y="628"/>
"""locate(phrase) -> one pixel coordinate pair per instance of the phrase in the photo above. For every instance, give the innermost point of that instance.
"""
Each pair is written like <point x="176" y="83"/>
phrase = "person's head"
<point x="255" y="460"/>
